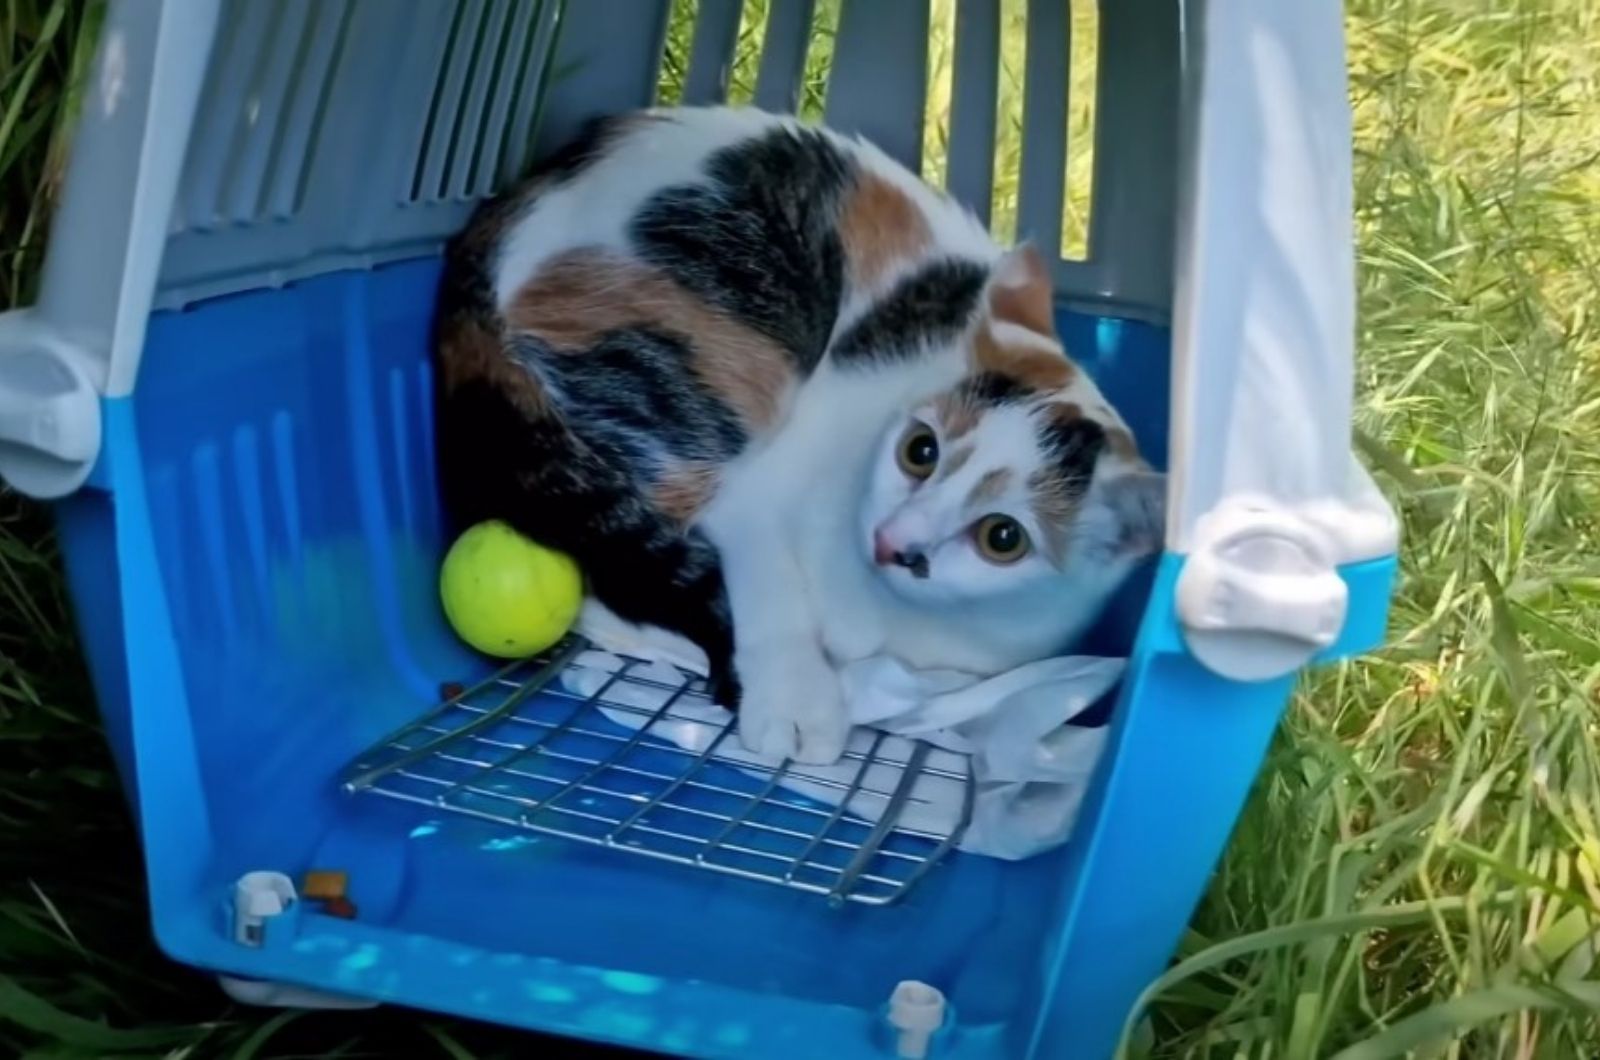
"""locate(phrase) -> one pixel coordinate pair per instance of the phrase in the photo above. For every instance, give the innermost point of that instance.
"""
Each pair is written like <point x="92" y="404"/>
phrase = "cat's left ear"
<point x="1138" y="504"/>
<point x="1020" y="291"/>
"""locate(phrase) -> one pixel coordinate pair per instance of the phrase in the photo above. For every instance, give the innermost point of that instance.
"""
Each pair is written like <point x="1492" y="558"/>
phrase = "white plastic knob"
<point x="916" y="1011"/>
<point x="1260" y="593"/>
<point x="257" y="898"/>
<point x="49" y="410"/>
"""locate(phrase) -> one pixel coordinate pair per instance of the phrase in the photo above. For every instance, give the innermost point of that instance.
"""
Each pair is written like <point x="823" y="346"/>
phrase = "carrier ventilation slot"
<point x="1041" y="182"/>
<point x="979" y="96"/>
<point x="974" y="99"/>
<point x="879" y="78"/>
<point x="478" y="129"/>
<point x="716" y="31"/>
<point x="522" y="750"/>
<point x="271" y="76"/>
<point x="783" y="54"/>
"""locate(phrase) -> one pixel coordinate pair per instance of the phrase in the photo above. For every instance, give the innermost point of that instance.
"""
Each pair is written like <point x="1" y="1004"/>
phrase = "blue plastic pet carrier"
<point x="225" y="389"/>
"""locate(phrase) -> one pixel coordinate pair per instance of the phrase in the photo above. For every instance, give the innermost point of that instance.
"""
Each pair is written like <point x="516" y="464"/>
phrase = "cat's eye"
<point x="1001" y="539"/>
<point x="919" y="451"/>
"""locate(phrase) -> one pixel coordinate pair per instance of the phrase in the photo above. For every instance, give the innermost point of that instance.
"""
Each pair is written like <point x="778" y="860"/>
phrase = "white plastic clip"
<point x="916" y="1011"/>
<point x="49" y="409"/>
<point x="257" y="898"/>
<point x="1260" y="593"/>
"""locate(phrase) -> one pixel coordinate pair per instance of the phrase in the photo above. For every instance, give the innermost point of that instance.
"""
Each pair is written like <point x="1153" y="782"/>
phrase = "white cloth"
<point x="1030" y="768"/>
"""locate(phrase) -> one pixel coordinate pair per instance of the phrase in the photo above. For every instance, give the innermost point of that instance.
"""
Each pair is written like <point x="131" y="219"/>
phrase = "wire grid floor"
<point x="521" y="749"/>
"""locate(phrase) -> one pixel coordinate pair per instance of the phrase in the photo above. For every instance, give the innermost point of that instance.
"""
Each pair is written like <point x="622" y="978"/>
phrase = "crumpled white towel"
<point x="1030" y="768"/>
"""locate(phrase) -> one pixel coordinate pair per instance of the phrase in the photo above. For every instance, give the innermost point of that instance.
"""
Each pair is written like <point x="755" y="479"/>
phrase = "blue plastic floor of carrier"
<point x="234" y="410"/>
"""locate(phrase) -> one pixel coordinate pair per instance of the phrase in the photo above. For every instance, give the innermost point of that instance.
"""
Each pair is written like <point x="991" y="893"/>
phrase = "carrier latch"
<point x="49" y="410"/>
<point x="1260" y="593"/>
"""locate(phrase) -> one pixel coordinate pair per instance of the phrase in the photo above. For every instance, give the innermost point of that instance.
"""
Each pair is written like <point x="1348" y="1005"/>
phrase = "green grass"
<point x="1419" y="866"/>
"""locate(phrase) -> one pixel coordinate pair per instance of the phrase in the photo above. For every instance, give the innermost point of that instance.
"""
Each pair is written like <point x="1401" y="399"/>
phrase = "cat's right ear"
<point x="1018" y="337"/>
<point x="1020" y="292"/>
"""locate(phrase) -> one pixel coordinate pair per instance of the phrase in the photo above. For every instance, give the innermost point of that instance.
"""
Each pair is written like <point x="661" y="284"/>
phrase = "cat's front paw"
<point x="853" y="635"/>
<point x="792" y="705"/>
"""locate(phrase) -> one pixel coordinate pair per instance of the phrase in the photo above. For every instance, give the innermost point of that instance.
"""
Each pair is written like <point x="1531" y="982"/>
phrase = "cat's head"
<point x="1019" y="479"/>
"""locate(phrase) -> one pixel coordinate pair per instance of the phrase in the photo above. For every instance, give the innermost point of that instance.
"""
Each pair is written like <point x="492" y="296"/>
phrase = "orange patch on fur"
<point x="470" y="349"/>
<point x="681" y="492"/>
<point x="956" y="415"/>
<point x="581" y="295"/>
<point x="1122" y="443"/>
<point x="1022" y="293"/>
<point x="879" y="226"/>
<point x="471" y="341"/>
<point x="990" y="486"/>
<point x="958" y="459"/>
<point x="1035" y="368"/>
<point x="1064" y="412"/>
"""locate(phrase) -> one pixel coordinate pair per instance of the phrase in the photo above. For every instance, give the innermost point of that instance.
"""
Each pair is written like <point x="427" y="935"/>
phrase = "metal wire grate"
<point x="523" y="749"/>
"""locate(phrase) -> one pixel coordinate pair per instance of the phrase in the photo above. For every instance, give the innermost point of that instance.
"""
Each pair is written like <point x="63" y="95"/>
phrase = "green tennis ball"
<point x="507" y="596"/>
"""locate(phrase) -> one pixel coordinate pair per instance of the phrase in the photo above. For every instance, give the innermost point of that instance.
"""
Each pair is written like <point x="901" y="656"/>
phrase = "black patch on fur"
<point x="466" y="287"/>
<point x="989" y="389"/>
<point x="759" y="238"/>
<point x="930" y="305"/>
<point x="1072" y="448"/>
<point x="635" y="394"/>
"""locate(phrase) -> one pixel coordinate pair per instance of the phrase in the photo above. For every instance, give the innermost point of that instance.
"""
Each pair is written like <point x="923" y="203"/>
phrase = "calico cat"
<point x="776" y="394"/>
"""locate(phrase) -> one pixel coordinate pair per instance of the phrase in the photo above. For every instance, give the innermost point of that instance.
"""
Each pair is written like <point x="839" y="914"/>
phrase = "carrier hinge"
<point x="49" y="409"/>
<point x="1260" y="593"/>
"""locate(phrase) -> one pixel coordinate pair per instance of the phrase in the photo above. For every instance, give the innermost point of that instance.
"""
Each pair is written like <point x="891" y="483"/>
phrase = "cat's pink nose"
<point x="887" y="553"/>
<point x="883" y="552"/>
